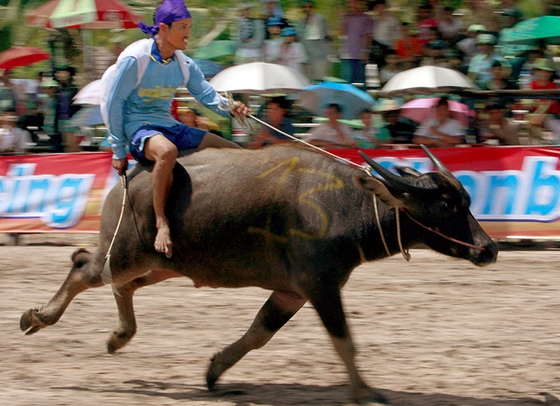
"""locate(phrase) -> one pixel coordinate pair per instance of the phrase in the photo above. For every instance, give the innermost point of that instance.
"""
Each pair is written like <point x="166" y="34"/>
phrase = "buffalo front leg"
<point x="124" y="293"/>
<point x="277" y="311"/>
<point x="329" y="307"/>
<point x="82" y="276"/>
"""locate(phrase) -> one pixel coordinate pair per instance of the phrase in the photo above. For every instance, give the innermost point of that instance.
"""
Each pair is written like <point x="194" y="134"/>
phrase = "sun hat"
<point x="544" y="64"/>
<point x="286" y="32"/>
<point x="50" y="82"/>
<point x="167" y="13"/>
<point x="274" y="21"/>
<point x="485" y="39"/>
<point x="476" y="28"/>
<point x="383" y="105"/>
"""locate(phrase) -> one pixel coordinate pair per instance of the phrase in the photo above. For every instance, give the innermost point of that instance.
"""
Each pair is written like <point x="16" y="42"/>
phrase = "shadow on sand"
<point x="298" y="394"/>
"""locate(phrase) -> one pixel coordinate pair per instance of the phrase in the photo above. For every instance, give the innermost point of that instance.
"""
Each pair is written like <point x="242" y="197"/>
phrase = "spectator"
<point x="369" y="136"/>
<point x="408" y="48"/>
<point x="386" y="27"/>
<point x="192" y="118"/>
<point x="314" y="35"/>
<point x="357" y="27"/>
<point x="292" y="53"/>
<point x="13" y="140"/>
<point x="545" y="113"/>
<point x="396" y="129"/>
<point x="273" y="11"/>
<point x="449" y="26"/>
<point x="276" y="115"/>
<point x="332" y="133"/>
<point x="467" y="46"/>
<point x="434" y="54"/>
<point x="497" y="127"/>
<point x="515" y="53"/>
<point x="390" y="68"/>
<point x="441" y="130"/>
<point x="65" y="93"/>
<point x="526" y="75"/>
<point x="273" y="44"/>
<point x="250" y="36"/>
<point x="501" y="77"/>
<point x="425" y="23"/>
<point x="481" y="64"/>
<point x="11" y="96"/>
<point x="47" y="107"/>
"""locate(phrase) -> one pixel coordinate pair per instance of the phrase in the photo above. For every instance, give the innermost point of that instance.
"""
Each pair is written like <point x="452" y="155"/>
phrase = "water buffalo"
<point x="283" y="218"/>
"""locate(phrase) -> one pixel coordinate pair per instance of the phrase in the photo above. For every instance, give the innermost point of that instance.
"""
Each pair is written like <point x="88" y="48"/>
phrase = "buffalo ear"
<point x="379" y="189"/>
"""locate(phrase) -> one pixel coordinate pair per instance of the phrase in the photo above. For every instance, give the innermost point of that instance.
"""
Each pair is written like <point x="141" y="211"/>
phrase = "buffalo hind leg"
<point x="126" y="327"/>
<point x="277" y="311"/>
<point x="329" y="307"/>
<point x="82" y="276"/>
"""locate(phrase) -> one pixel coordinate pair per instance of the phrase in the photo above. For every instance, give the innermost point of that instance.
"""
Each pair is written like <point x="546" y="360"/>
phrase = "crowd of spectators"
<point x="471" y="39"/>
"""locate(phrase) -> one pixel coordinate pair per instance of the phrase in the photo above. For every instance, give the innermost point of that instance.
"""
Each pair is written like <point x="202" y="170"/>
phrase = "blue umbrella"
<point x="208" y="67"/>
<point x="352" y="100"/>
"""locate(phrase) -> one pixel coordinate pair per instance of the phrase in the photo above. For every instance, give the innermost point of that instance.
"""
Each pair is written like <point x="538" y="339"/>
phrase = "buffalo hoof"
<point x="118" y="340"/>
<point x="30" y="322"/>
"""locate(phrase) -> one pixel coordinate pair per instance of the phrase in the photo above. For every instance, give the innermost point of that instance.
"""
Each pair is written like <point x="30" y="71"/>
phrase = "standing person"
<point x="314" y="35"/>
<point x="292" y="53"/>
<point x="357" y="27"/>
<point x="545" y="114"/>
<point x="409" y="48"/>
<point x="65" y="93"/>
<point x="273" y="44"/>
<point x="332" y="133"/>
<point x="441" y="130"/>
<point x="386" y="26"/>
<point x="136" y="105"/>
<point x="250" y="37"/>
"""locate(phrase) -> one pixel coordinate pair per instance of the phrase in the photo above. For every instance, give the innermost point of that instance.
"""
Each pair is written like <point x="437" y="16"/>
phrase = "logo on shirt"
<point x="157" y="93"/>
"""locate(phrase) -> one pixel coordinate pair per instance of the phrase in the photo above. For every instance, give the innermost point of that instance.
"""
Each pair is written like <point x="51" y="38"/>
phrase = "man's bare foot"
<point x="163" y="241"/>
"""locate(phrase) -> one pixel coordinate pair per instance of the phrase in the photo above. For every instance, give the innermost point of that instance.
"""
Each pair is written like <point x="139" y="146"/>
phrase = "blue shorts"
<point x="181" y="135"/>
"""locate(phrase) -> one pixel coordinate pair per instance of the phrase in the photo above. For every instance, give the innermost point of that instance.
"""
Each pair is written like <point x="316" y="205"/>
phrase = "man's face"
<point x="274" y="113"/>
<point x="177" y="35"/>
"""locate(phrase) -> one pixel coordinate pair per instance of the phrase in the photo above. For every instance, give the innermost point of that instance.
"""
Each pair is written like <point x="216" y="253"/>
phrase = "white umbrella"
<point x="259" y="78"/>
<point x="89" y="94"/>
<point x="426" y="80"/>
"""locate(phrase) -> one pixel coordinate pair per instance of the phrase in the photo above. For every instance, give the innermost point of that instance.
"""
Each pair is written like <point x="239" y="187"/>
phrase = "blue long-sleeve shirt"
<point x="131" y="105"/>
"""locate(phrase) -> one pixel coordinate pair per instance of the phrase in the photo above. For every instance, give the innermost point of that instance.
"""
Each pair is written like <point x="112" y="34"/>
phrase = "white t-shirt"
<point x="325" y="132"/>
<point x="451" y="127"/>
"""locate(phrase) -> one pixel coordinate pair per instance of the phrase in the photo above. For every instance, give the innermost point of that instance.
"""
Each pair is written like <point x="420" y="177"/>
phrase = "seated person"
<point x="369" y="136"/>
<point x="13" y="140"/>
<point x="192" y="118"/>
<point x="441" y="130"/>
<point x="275" y="115"/>
<point x="397" y="129"/>
<point x="498" y="127"/>
<point x="332" y="133"/>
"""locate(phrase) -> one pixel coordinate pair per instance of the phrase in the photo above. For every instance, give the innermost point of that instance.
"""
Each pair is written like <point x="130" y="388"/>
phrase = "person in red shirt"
<point x="545" y="113"/>
<point x="408" y="48"/>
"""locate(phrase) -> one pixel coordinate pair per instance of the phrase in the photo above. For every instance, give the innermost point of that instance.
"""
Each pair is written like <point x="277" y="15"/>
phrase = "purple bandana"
<point x="168" y="12"/>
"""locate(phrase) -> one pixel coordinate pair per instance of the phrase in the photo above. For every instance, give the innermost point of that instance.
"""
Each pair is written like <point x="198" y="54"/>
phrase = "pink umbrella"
<point x="420" y="110"/>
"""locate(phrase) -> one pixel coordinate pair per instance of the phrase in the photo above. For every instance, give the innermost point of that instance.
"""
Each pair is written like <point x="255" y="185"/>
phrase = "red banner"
<point x="54" y="192"/>
<point x="515" y="191"/>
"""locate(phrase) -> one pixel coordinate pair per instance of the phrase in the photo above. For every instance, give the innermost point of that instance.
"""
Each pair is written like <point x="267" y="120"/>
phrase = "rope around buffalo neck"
<point x="406" y="255"/>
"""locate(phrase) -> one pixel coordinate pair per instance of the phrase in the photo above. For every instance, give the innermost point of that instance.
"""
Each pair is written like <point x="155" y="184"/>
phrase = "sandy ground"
<point x="431" y="332"/>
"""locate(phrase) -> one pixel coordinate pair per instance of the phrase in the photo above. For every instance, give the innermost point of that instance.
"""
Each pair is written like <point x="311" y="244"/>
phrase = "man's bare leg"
<point x="164" y="155"/>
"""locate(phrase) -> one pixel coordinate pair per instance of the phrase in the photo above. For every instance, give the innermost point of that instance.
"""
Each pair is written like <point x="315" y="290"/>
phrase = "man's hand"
<point x="120" y="165"/>
<point x="240" y="109"/>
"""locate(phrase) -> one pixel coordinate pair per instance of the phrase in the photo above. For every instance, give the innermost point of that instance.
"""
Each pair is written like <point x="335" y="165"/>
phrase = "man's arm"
<point x="125" y="83"/>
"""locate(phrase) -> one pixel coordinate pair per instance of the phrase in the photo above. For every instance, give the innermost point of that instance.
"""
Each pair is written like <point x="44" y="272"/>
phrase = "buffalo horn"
<point x="398" y="182"/>
<point x="437" y="163"/>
